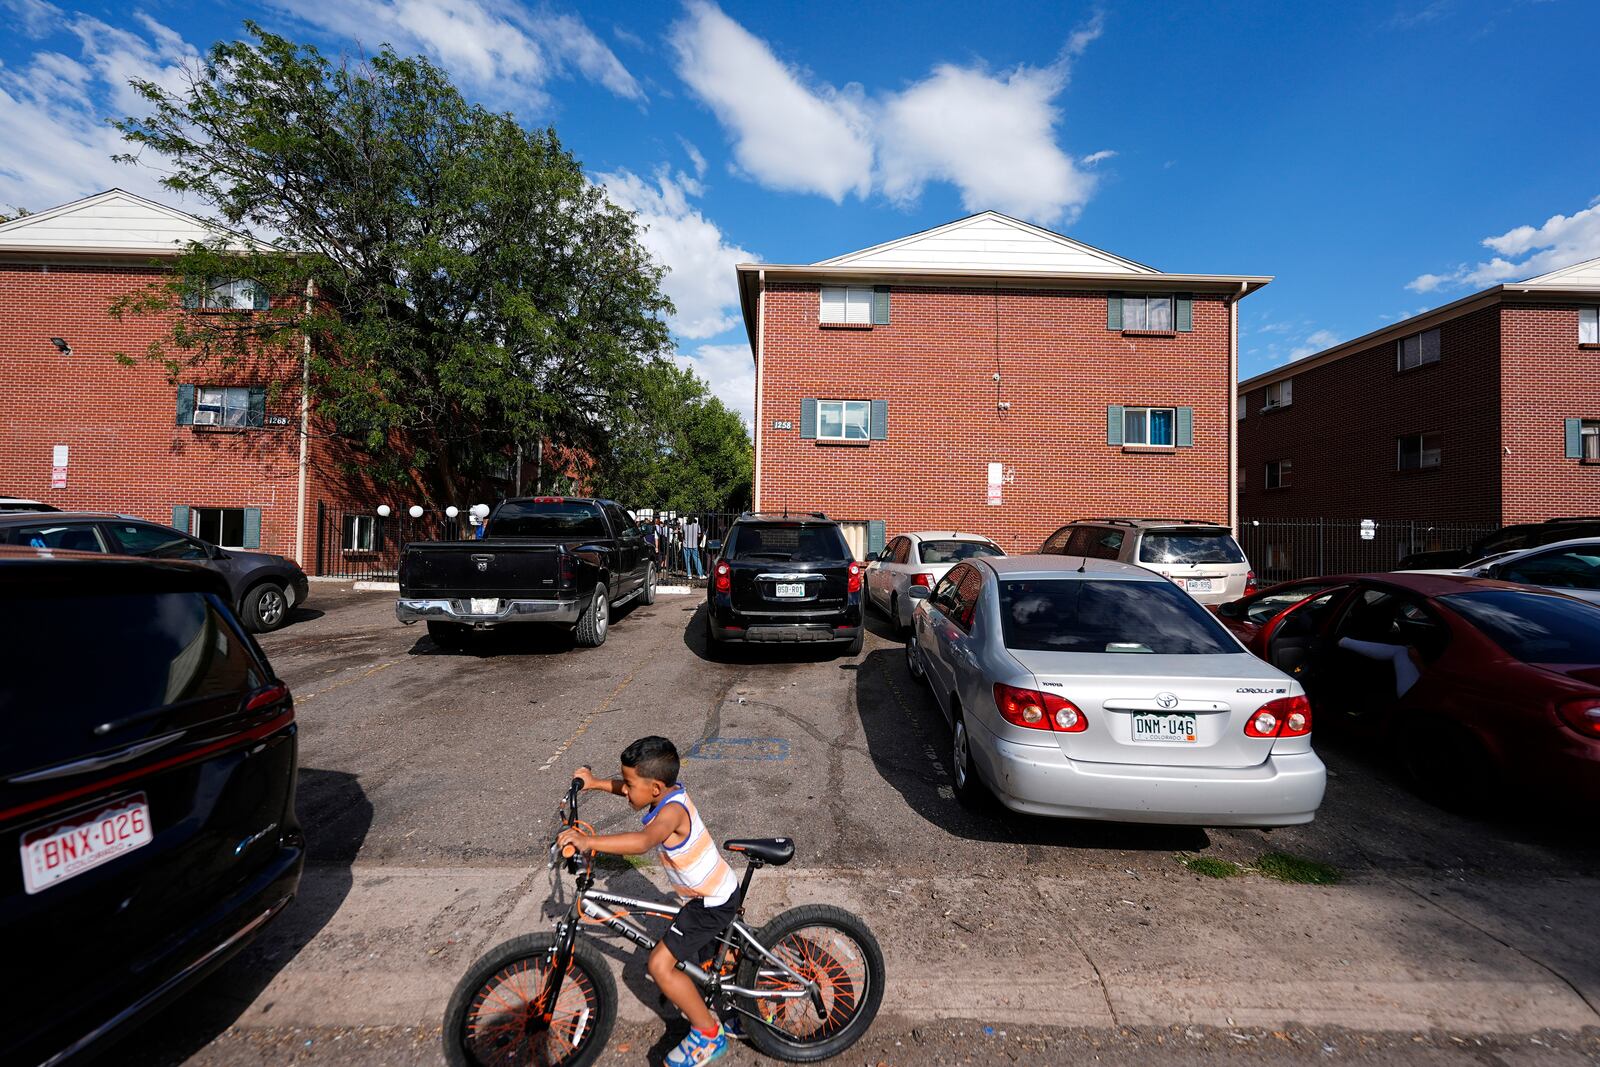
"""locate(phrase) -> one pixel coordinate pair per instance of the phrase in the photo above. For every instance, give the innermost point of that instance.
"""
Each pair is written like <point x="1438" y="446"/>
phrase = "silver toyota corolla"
<point x="1092" y="689"/>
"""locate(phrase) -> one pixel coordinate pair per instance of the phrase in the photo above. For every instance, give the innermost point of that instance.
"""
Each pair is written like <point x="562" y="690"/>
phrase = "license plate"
<point x="53" y="854"/>
<point x="1198" y="585"/>
<point x="485" y="606"/>
<point x="791" y="589"/>
<point x="1178" y="728"/>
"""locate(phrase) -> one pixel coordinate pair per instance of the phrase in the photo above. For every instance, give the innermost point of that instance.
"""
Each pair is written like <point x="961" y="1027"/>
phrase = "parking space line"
<point x="368" y="673"/>
<point x="584" y="723"/>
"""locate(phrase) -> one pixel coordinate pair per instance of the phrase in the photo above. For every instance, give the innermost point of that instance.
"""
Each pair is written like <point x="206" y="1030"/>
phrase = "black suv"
<point x="147" y="780"/>
<point x="1506" y="539"/>
<point x="784" y="579"/>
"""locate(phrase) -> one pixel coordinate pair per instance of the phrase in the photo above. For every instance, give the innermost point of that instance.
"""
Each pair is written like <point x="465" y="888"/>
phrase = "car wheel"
<point x="854" y="647"/>
<point x="914" y="661"/>
<point x="649" y="595"/>
<point x="595" y="620"/>
<point x="266" y="607"/>
<point x="1449" y="766"/>
<point x="450" y="636"/>
<point x="716" y="648"/>
<point x="968" y="788"/>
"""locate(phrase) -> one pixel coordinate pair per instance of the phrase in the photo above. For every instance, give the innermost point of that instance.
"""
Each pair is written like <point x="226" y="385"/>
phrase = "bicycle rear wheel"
<point x="832" y="948"/>
<point x="494" y="1017"/>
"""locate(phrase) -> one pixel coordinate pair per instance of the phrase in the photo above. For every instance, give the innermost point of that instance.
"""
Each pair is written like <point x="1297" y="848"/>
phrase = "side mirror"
<point x="215" y="552"/>
<point x="1230" y="610"/>
<point x="871" y="557"/>
<point x="919" y="592"/>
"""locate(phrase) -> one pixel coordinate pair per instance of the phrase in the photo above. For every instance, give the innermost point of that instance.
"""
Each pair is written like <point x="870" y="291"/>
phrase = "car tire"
<point x="449" y="636"/>
<point x="648" y="596"/>
<point x="855" y="645"/>
<point x="265" y="607"/>
<point x="914" y="667"/>
<point x="716" y="648"/>
<point x="595" y="622"/>
<point x="969" y="788"/>
<point x="1449" y="766"/>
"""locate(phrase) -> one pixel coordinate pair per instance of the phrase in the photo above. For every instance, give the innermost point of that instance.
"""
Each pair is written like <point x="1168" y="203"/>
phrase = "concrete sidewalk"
<point x="383" y="946"/>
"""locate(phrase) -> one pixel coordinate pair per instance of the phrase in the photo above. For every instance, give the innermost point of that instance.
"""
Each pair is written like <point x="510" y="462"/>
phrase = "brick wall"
<point x="1341" y="430"/>
<point x="1547" y="379"/>
<point x="1060" y="368"/>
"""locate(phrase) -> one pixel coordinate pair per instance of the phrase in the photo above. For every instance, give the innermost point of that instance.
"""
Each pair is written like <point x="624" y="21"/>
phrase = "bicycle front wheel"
<point x="825" y="945"/>
<point x="495" y="1017"/>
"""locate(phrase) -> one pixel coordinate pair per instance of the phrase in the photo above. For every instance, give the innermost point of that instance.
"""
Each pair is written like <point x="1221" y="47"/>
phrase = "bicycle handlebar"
<point x="571" y="813"/>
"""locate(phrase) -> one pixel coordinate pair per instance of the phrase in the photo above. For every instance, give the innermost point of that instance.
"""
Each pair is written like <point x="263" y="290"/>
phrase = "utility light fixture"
<point x="61" y="345"/>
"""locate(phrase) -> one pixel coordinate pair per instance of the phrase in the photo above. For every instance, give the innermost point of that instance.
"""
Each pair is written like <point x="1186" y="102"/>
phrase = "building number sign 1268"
<point x="782" y="424"/>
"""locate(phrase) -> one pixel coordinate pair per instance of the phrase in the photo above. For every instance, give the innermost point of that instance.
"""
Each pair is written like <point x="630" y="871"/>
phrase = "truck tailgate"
<point x="509" y="570"/>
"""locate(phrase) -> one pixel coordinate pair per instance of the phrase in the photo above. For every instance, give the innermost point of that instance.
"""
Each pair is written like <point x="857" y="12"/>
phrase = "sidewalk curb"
<point x="377" y="587"/>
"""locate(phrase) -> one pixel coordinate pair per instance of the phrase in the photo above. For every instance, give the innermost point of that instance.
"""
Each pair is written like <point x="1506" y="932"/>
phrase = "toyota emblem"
<point x="1166" y="700"/>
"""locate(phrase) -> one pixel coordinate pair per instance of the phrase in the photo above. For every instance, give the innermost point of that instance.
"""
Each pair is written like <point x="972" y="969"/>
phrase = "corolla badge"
<point x="1166" y="700"/>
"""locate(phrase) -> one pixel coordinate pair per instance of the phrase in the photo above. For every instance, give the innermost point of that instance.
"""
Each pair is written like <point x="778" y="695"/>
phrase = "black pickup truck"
<point x="566" y="561"/>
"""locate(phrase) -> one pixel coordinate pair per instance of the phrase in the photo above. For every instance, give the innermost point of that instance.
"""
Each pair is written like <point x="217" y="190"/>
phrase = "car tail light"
<point x="855" y="578"/>
<point x="273" y="694"/>
<point x="924" y="580"/>
<point x="1034" y="710"/>
<point x="549" y="500"/>
<point x="1250" y="585"/>
<point x="722" y="576"/>
<point x="1284" y="717"/>
<point x="1582" y="715"/>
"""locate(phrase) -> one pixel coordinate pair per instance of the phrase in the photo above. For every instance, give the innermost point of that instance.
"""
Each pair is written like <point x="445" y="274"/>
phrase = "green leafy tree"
<point x="682" y="449"/>
<point x="462" y="285"/>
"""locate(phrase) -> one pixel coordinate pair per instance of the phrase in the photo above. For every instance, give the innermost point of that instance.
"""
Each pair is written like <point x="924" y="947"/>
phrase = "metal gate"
<point x="1280" y="550"/>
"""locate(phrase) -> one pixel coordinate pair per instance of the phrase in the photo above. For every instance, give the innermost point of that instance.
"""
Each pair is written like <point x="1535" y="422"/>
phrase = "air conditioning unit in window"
<point x="207" y="418"/>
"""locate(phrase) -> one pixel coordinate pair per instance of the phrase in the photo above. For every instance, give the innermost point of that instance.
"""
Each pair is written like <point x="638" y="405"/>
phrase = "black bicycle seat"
<point x="774" y="850"/>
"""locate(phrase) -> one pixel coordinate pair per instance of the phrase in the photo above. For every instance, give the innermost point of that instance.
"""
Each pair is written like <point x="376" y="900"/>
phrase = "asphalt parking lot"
<point x="429" y="782"/>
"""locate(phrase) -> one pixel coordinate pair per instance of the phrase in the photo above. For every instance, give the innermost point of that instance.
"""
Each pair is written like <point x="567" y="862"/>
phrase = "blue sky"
<point x="1377" y="158"/>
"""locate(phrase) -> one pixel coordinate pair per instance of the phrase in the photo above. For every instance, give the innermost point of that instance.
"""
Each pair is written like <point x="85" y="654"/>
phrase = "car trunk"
<point x="1159" y="694"/>
<point x="520" y="569"/>
<point x="776" y="586"/>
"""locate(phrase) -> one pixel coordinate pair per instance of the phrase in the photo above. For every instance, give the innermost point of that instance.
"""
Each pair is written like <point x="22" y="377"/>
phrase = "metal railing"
<point x="1281" y="550"/>
<point x="361" y="544"/>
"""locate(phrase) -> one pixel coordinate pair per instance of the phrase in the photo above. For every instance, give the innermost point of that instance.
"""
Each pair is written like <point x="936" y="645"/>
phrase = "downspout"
<point x="1233" y="407"/>
<point x="761" y="344"/>
<point x="305" y="433"/>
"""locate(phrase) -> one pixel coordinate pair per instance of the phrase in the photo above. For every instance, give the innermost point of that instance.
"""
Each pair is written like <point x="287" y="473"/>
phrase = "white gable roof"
<point x="112" y="221"/>
<point x="1585" y="275"/>
<point x="990" y="241"/>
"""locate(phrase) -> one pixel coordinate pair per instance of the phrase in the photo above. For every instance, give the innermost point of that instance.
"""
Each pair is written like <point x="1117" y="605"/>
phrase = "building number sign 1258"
<point x="782" y="424"/>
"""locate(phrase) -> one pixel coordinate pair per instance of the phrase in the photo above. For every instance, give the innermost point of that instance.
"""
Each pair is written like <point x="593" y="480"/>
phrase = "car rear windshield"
<point x="1189" y="546"/>
<point x="529" y="518"/>
<point x="1086" y="615"/>
<point x="956" y="551"/>
<point x="1533" y="627"/>
<point x="789" y="542"/>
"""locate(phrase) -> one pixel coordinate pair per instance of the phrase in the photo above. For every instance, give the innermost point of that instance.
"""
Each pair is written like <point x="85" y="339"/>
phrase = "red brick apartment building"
<point x="994" y="377"/>
<point x="230" y="456"/>
<point x="1485" y="411"/>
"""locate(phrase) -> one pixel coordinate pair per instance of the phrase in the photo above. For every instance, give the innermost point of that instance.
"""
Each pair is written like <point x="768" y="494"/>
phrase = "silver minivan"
<point x="1201" y="558"/>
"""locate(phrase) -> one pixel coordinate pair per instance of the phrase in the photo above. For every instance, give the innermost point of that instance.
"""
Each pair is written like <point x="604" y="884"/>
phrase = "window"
<point x="216" y="406"/>
<point x="547" y="518"/>
<point x="852" y="305"/>
<point x="1591" y="441"/>
<point x="1417" y="451"/>
<point x="955" y="551"/>
<point x="1240" y="407"/>
<point x="1417" y="349"/>
<point x="1570" y="568"/>
<point x="156" y="542"/>
<point x="220" y="526"/>
<point x="1094" y="616"/>
<point x="360" y="533"/>
<point x="74" y="537"/>
<point x="1148" y="426"/>
<point x="231" y="295"/>
<point x="1280" y="473"/>
<point x="902" y="550"/>
<point x="844" y="420"/>
<point x="787" y="543"/>
<point x="1056" y="543"/>
<point x="1279" y="395"/>
<point x="1189" y="546"/>
<point x="1589" y="326"/>
<point x="1533" y="627"/>
<point x="1147" y="313"/>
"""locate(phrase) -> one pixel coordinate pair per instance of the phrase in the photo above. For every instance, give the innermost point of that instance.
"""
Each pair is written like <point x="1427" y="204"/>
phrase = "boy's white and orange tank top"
<point x="695" y="867"/>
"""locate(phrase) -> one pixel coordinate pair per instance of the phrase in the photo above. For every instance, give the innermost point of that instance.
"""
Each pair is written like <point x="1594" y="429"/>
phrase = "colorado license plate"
<point x="791" y="589"/>
<point x="1198" y="585"/>
<point x="53" y="854"/>
<point x="1178" y="728"/>
<point x="482" y="606"/>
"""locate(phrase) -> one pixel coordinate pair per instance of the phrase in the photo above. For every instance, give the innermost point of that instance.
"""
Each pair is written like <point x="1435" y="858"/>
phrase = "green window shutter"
<point x="808" y="419"/>
<point x="880" y="420"/>
<point x="1114" y="424"/>
<point x="880" y="305"/>
<point x="252" y="528"/>
<point x="1183" y="312"/>
<point x="1574" y="438"/>
<point x="1184" y="436"/>
<point x="1113" y="311"/>
<point x="180" y="517"/>
<point x="875" y="535"/>
<point x="257" y="415"/>
<point x="185" y="405"/>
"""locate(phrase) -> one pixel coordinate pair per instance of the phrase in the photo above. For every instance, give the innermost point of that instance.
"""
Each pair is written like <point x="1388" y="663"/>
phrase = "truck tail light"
<point x="855" y="577"/>
<point x="924" y="580"/>
<point x="722" y="577"/>
<point x="549" y="500"/>
<point x="1034" y="710"/>
<point x="565" y="574"/>
<point x="1284" y="717"/>
<point x="1250" y="585"/>
<point x="1582" y="715"/>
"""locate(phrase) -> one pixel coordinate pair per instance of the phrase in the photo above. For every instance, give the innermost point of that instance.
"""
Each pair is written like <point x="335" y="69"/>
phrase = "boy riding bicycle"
<point x="697" y="871"/>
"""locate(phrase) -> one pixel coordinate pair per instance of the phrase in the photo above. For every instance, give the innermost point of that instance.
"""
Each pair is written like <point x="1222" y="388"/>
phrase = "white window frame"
<point x="1589" y="439"/>
<point x="360" y="533"/>
<point x="1127" y="438"/>
<point x="1589" y="326"/>
<point x="845" y="406"/>
<point x="1423" y="451"/>
<point x="194" y="526"/>
<point x="1282" y="398"/>
<point x="1418" y="350"/>
<point x="1136" y="312"/>
<point x="849" y="305"/>
<point x="231" y="294"/>
<point x="1281" y="467"/>
<point x="224" y="403"/>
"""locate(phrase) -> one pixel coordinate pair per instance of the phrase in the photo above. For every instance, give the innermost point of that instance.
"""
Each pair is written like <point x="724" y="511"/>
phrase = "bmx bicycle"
<point x="804" y="987"/>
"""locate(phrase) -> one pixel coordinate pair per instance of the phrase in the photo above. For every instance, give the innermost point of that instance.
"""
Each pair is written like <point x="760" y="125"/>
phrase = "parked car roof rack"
<point x="1575" y="518"/>
<point x="1133" y="520"/>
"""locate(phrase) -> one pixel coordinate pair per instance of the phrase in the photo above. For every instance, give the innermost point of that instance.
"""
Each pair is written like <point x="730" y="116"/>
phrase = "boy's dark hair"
<point x="653" y="757"/>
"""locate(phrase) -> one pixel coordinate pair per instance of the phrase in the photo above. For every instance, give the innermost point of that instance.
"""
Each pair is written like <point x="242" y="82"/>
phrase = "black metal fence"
<point x="1280" y="550"/>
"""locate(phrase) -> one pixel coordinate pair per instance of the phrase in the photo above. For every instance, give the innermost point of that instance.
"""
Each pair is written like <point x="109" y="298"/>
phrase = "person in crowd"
<point x="692" y="540"/>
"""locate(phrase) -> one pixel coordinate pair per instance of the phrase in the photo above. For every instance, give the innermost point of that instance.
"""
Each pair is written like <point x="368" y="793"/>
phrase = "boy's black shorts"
<point x="696" y="927"/>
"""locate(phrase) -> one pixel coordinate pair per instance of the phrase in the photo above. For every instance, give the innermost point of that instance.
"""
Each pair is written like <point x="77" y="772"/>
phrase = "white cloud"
<point x="1098" y="157"/>
<point x="695" y="157"/>
<point x="699" y="261"/>
<point x="497" y="47"/>
<point x="1314" y="342"/>
<point x="786" y="135"/>
<point x="1525" y="252"/>
<point x="730" y="371"/>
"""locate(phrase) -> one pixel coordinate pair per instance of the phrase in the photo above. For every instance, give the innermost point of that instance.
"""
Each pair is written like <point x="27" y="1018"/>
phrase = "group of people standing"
<point x="671" y="541"/>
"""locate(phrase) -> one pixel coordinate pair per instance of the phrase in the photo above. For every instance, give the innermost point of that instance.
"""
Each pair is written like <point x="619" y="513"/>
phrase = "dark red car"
<point x="1476" y="682"/>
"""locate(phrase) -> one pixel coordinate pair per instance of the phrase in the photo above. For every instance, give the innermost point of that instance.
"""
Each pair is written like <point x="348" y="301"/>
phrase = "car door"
<point x="896" y="574"/>
<point x="878" y="573"/>
<point x="1294" y="639"/>
<point x="631" y="560"/>
<point x="939" y="631"/>
<point x="965" y="663"/>
<point x="1377" y="653"/>
<point x="1574" y="570"/>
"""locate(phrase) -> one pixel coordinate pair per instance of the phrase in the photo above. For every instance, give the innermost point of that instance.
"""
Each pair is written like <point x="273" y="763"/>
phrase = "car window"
<point x="944" y="594"/>
<point x="1268" y="604"/>
<point x="1569" y="568"/>
<point x="72" y="537"/>
<point x="1532" y="627"/>
<point x="1507" y="540"/>
<point x="902" y="550"/>
<point x="1091" y="615"/>
<point x="619" y="520"/>
<point x="1056" y="543"/>
<point x="1189" y="546"/>
<point x="787" y="542"/>
<point x="546" y="518"/>
<point x="156" y="542"/>
<point x="1104" y="544"/>
<point x="1389" y="618"/>
<point x="967" y="595"/>
<point x="956" y="551"/>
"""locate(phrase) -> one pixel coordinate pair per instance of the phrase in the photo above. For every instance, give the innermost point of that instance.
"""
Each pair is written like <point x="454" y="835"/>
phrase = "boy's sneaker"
<point x="697" y="1049"/>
